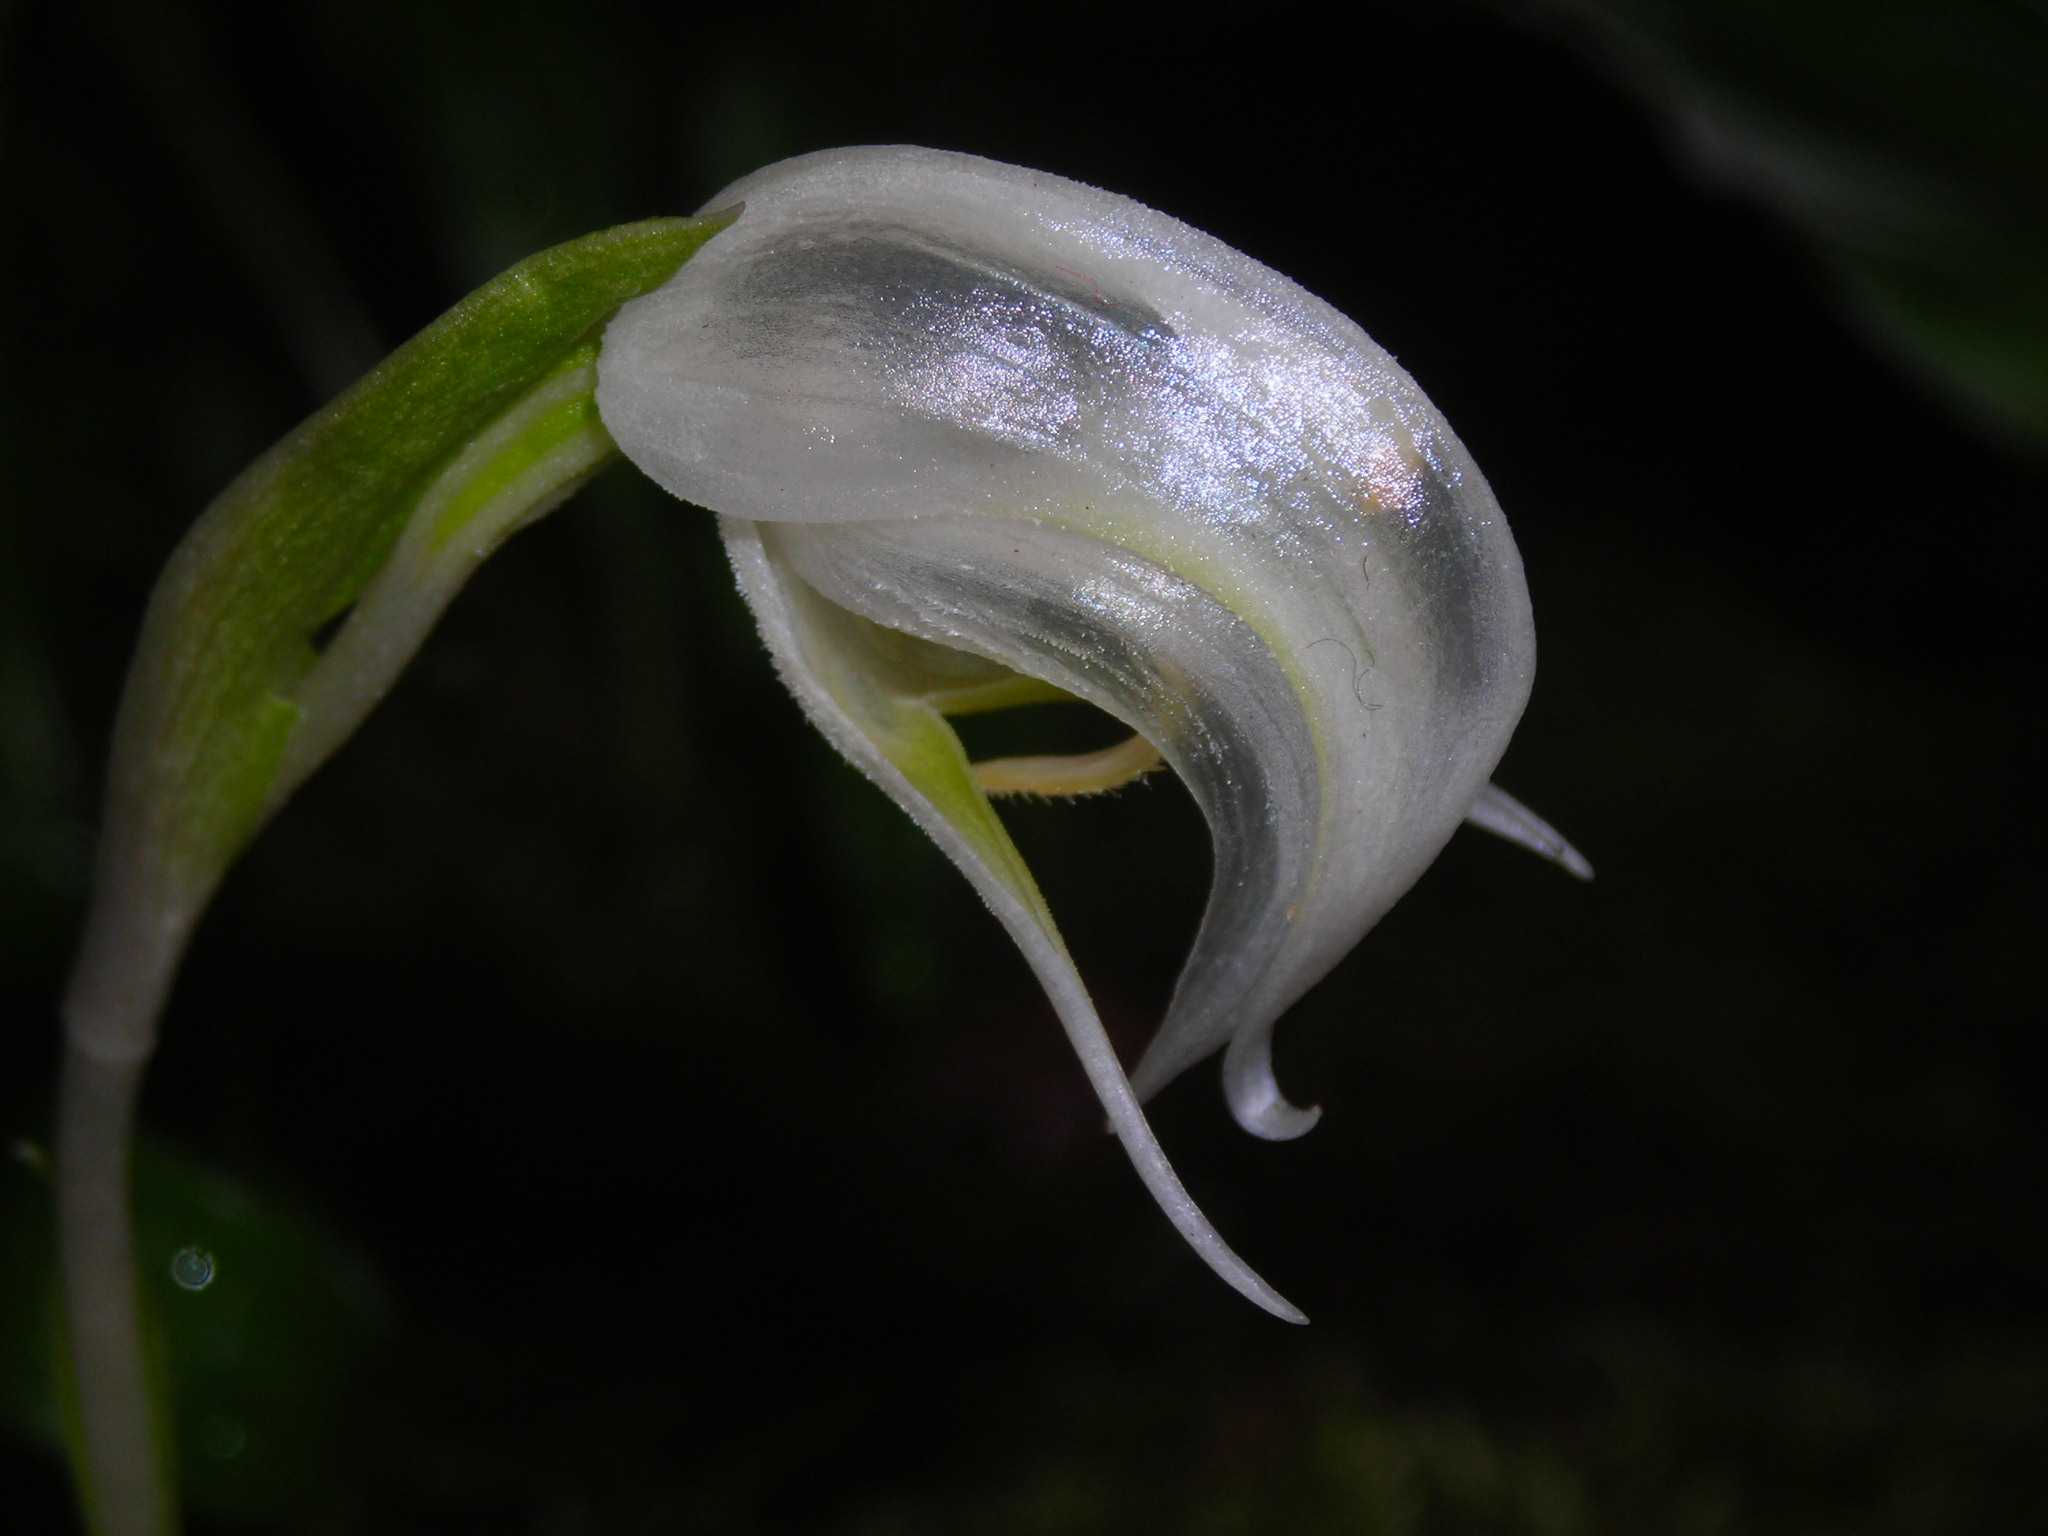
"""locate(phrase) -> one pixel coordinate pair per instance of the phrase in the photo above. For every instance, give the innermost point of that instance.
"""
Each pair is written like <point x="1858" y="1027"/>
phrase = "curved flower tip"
<point x="980" y="437"/>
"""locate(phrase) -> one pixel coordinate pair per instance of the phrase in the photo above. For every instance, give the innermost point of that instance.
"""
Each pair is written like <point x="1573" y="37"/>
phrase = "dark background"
<point x="607" y="1114"/>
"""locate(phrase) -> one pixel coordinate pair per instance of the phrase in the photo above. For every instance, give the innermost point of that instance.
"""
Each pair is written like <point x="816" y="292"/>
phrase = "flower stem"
<point x="120" y="1446"/>
<point x="371" y="515"/>
<point x="134" y="937"/>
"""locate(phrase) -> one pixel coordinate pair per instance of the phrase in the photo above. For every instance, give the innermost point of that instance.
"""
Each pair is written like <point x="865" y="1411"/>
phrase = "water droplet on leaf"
<point x="192" y="1269"/>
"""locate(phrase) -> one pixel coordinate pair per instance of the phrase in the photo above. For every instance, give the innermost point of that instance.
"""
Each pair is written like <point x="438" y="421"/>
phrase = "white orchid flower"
<point x="972" y="430"/>
<point x="978" y="437"/>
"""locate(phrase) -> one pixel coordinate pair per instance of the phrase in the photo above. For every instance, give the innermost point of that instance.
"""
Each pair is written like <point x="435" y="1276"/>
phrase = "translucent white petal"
<point x="854" y="686"/>
<point x="1504" y="816"/>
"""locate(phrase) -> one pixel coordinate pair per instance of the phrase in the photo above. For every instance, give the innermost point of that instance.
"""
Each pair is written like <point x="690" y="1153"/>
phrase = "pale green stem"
<point x="523" y="465"/>
<point x="124" y="970"/>
<point x="119" y="1475"/>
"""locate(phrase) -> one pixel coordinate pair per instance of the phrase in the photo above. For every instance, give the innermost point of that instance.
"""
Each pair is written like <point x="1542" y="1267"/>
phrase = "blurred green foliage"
<point x="1903" y="141"/>
<point x="248" y="1299"/>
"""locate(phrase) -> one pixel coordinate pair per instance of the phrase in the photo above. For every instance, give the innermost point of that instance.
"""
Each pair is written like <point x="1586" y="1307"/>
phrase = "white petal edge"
<point x="1003" y="883"/>
<point x="1500" y="813"/>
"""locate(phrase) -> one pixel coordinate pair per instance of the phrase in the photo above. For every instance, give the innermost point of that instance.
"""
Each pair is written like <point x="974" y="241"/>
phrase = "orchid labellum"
<point x="977" y="437"/>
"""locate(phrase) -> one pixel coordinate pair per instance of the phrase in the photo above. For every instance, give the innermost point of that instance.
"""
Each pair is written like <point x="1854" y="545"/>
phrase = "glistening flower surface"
<point x="969" y="426"/>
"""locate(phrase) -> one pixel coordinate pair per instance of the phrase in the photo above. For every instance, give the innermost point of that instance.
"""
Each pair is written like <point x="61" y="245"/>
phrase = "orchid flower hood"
<point x="976" y="434"/>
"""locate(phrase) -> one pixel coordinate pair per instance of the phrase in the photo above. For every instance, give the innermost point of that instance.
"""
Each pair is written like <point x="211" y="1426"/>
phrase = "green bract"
<point x="377" y="508"/>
